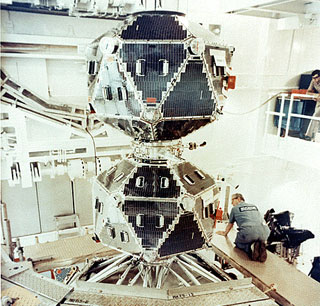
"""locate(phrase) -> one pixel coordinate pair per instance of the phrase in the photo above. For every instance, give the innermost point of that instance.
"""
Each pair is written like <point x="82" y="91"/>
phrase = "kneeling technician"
<point x="252" y="229"/>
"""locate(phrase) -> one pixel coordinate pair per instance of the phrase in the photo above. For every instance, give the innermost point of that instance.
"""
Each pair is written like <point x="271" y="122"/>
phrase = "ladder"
<point x="64" y="224"/>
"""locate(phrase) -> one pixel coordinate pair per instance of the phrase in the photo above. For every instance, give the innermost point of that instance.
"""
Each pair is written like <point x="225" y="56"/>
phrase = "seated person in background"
<point x="314" y="90"/>
<point x="252" y="229"/>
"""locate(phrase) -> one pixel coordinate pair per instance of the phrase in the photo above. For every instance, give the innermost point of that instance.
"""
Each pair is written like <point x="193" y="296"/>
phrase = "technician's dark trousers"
<point x="249" y="234"/>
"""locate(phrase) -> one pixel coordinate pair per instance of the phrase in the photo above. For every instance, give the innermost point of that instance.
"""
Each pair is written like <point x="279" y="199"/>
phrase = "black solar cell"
<point x="191" y="96"/>
<point x="160" y="27"/>
<point x="186" y="236"/>
<point x="145" y="64"/>
<point x="154" y="185"/>
<point x="149" y="230"/>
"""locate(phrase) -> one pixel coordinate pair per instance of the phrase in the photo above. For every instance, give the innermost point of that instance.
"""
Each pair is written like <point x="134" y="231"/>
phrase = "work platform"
<point x="290" y="284"/>
<point x="281" y="280"/>
<point x="63" y="252"/>
<point x="20" y="281"/>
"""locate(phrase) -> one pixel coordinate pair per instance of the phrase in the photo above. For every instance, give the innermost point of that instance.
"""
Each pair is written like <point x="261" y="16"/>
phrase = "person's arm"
<point x="312" y="92"/>
<point x="226" y="231"/>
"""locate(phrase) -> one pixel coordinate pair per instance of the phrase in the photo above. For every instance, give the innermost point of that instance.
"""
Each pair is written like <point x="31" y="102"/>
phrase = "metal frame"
<point x="184" y="270"/>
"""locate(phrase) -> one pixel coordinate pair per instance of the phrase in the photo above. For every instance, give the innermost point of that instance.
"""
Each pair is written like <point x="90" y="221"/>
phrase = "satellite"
<point x="157" y="79"/>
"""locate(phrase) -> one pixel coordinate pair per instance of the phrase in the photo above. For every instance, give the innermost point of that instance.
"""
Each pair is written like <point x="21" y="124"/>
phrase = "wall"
<point x="32" y="210"/>
<point x="233" y="135"/>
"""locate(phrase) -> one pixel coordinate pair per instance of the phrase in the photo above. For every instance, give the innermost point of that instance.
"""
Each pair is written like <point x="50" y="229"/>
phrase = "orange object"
<point x="299" y="91"/>
<point x="151" y="100"/>
<point x="296" y="93"/>
<point x="231" y="82"/>
<point x="219" y="214"/>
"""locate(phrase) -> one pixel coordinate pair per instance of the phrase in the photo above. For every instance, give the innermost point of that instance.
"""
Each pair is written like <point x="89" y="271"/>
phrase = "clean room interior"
<point x="46" y="54"/>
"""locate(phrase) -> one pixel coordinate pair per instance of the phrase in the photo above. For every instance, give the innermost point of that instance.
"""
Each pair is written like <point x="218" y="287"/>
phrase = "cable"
<point x="95" y="151"/>
<point x="250" y="111"/>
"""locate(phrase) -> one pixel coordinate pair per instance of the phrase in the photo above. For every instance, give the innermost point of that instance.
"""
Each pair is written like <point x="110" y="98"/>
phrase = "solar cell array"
<point x="191" y="96"/>
<point x="186" y="236"/>
<point x="149" y="227"/>
<point x="152" y="182"/>
<point x="154" y="27"/>
<point x="151" y="79"/>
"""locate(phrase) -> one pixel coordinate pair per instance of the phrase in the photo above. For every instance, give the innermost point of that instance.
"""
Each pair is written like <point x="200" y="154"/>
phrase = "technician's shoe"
<point x="308" y="138"/>
<point x="256" y="250"/>
<point x="263" y="252"/>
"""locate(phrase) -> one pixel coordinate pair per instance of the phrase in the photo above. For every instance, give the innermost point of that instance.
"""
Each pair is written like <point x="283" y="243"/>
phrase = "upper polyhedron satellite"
<point x="158" y="77"/>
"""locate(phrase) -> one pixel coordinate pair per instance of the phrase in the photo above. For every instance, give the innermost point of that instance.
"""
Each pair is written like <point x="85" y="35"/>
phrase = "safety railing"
<point x="283" y="127"/>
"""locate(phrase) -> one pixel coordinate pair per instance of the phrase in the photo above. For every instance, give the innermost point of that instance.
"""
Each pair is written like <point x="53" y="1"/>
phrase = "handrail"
<point x="281" y="114"/>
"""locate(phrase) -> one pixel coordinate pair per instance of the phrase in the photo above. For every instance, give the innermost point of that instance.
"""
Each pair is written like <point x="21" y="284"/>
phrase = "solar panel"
<point x="148" y="213"/>
<point x="186" y="236"/>
<point x="157" y="27"/>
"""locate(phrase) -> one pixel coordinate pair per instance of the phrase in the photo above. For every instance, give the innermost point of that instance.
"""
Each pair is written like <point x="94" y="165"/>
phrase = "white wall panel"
<point x="41" y="133"/>
<point x="55" y="198"/>
<point x="305" y="54"/>
<point x="83" y="200"/>
<point x="291" y="53"/>
<point x="68" y="81"/>
<point x="278" y="52"/>
<point x="28" y="72"/>
<point x="22" y="209"/>
<point x="248" y="35"/>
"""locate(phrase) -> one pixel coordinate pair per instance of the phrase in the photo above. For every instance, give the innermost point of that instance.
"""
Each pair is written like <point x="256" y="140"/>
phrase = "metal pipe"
<point x="3" y="239"/>
<point x="106" y="272"/>
<point x="6" y="230"/>
<point x="4" y="212"/>
<point x="146" y="277"/>
<point x="163" y="277"/>
<point x="8" y="237"/>
<point x="109" y="272"/>
<point x="281" y="115"/>
<point x="159" y="277"/>
<point x="107" y="262"/>
<point x="289" y="115"/>
<point x="124" y="275"/>
<point x="180" y="278"/>
<point x="188" y="273"/>
<point x="202" y="273"/>
<point x="194" y="266"/>
<point x="133" y="281"/>
<point x="157" y="272"/>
